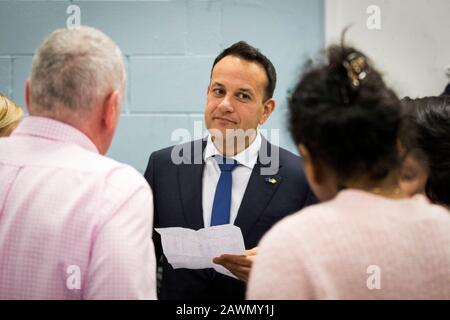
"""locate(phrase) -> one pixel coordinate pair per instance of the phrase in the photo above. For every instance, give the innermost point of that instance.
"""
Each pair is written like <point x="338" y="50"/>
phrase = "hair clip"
<point x="356" y="68"/>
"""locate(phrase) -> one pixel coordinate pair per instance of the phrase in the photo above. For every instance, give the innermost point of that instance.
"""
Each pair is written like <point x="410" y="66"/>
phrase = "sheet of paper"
<point x="187" y="248"/>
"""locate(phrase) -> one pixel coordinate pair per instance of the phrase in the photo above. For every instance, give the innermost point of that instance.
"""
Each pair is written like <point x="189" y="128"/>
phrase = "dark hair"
<point x="446" y="91"/>
<point x="428" y="136"/>
<point x="346" y="116"/>
<point x="249" y="53"/>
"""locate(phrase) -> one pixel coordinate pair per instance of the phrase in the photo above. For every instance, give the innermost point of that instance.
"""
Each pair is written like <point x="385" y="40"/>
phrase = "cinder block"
<point x="5" y="76"/>
<point x="169" y="84"/>
<point x="25" y="24"/>
<point x="287" y="32"/>
<point x="21" y="72"/>
<point x="149" y="27"/>
<point x="137" y="136"/>
<point x="204" y="34"/>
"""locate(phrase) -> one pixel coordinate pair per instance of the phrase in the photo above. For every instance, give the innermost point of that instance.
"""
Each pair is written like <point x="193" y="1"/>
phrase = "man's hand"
<point x="240" y="265"/>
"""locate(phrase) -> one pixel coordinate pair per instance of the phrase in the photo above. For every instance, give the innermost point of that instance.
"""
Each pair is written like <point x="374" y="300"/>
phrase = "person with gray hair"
<point x="74" y="224"/>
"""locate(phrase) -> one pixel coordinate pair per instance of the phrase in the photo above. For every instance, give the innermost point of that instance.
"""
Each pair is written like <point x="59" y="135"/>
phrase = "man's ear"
<point x="269" y="107"/>
<point x="27" y="95"/>
<point x="312" y="169"/>
<point x="111" y="109"/>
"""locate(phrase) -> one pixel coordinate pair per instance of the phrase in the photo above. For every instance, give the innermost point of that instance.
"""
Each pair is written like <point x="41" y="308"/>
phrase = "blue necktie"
<point x="222" y="198"/>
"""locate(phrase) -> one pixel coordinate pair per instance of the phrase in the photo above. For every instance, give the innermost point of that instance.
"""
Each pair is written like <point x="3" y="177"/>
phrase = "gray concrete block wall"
<point x="168" y="48"/>
<point x="5" y="75"/>
<point x="21" y="68"/>
<point x="163" y="84"/>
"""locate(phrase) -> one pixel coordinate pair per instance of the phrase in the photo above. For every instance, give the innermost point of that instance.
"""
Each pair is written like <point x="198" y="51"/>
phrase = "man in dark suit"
<point x="234" y="176"/>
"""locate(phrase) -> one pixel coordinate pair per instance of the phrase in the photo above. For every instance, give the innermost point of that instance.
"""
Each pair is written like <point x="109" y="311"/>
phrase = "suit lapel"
<point x="258" y="194"/>
<point x="190" y="175"/>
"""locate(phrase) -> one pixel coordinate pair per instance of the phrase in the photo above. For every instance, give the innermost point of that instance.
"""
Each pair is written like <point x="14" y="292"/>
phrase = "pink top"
<point x="356" y="246"/>
<point x="73" y="224"/>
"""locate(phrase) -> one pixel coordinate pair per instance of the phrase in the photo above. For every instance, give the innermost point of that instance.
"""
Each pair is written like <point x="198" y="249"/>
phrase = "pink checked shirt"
<point x="73" y="224"/>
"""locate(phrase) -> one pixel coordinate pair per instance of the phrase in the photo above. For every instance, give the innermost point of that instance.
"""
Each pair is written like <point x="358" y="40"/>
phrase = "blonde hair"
<point x="9" y="112"/>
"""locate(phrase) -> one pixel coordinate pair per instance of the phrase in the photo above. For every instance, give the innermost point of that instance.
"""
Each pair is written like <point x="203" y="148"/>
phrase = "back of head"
<point x="73" y="71"/>
<point x="346" y="116"/>
<point x="249" y="53"/>
<point x="427" y="137"/>
<point x="10" y="115"/>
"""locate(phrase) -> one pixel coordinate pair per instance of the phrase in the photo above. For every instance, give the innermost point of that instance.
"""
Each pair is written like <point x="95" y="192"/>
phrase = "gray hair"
<point x="73" y="71"/>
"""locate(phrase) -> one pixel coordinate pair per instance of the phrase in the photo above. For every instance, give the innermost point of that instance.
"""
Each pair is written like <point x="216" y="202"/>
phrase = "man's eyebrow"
<point x="246" y="90"/>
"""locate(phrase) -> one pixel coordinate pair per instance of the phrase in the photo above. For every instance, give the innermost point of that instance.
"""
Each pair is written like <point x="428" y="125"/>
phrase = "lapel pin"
<point x="271" y="180"/>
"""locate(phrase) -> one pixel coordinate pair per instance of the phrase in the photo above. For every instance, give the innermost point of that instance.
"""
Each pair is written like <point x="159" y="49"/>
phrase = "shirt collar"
<point x="247" y="157"/>
<point x="50" y="129"/>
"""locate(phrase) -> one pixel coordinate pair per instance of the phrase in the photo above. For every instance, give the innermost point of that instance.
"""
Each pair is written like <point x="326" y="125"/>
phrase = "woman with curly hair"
<point x="367" y="239"/>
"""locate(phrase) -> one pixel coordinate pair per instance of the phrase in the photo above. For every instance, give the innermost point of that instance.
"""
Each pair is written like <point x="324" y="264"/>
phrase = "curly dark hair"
<point x="346" y="116"/>
<point x="446" y="91"/>
<point x="427" y="121"/>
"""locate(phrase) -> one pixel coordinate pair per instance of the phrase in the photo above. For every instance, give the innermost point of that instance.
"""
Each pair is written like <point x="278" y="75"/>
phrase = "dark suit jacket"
<point x="177" y="192"/>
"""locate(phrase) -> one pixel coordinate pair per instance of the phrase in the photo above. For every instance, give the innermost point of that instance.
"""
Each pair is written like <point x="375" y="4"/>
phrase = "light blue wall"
<point x="169" y="47"/>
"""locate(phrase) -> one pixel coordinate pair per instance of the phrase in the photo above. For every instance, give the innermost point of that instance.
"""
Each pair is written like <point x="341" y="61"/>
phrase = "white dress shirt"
<point x="241" y="175"/>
